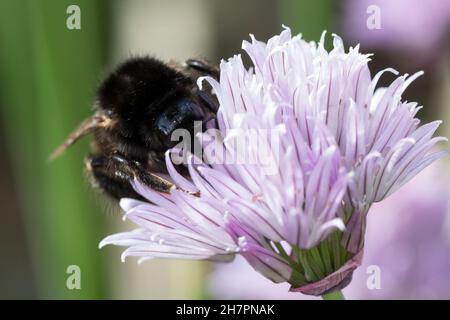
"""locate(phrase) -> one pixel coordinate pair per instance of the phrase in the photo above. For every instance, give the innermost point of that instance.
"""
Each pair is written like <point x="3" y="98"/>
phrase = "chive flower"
<point x="325" y="144"/>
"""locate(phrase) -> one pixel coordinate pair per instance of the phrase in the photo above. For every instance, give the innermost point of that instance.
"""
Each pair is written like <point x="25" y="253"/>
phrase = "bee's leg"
<point x="204" y="67"/>
<point x="208" y="100"/>
<point x="114" y="174"/>
<point x="104" y="176"/>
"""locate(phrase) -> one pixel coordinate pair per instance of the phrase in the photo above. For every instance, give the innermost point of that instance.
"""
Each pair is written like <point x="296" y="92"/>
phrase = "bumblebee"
<point x="138" y="107"/>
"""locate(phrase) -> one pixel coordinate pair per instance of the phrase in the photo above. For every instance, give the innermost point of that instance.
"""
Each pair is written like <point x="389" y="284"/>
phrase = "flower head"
<point x="323" y="144"/>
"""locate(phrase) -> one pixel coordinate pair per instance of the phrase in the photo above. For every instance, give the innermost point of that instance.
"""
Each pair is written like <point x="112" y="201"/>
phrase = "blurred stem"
<point x="47" y="80"/>
<point x="334" y="295"/>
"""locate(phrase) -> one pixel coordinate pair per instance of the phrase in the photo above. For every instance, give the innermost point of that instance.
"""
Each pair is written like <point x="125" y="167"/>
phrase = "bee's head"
<point x="147" y="101"/>
<point x="139" y="106"/>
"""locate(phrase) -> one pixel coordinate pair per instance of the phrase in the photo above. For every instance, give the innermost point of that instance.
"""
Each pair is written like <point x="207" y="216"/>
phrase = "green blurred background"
<point x="50" y="218"/>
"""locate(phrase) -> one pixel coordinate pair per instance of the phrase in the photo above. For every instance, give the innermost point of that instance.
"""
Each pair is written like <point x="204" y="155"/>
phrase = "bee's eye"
<point x="173" y="116"/>
<point x="181" y="114"/>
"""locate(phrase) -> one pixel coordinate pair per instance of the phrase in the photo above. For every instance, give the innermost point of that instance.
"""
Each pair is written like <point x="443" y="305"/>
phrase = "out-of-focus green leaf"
<point x="47" y="77"/>
<point x="309" y="17"/>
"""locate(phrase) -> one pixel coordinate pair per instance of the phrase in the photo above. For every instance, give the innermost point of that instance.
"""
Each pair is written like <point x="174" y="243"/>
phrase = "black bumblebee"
<point x="138" y="107"/>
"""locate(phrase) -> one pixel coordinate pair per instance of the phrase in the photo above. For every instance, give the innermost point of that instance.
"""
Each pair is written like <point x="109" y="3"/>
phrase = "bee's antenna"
<point x="98" y="120"/>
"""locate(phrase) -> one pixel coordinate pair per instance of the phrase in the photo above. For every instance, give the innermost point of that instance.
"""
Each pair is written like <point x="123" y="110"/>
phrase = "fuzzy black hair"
<point x="136" y="89"/>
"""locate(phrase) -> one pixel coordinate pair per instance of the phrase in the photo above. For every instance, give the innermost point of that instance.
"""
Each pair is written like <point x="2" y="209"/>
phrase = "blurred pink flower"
<point x="408" y="238"/>
<point x="413" y="26"/>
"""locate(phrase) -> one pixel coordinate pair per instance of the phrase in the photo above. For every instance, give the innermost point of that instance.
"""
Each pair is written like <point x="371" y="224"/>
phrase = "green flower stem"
<point x="335" y="295"/>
